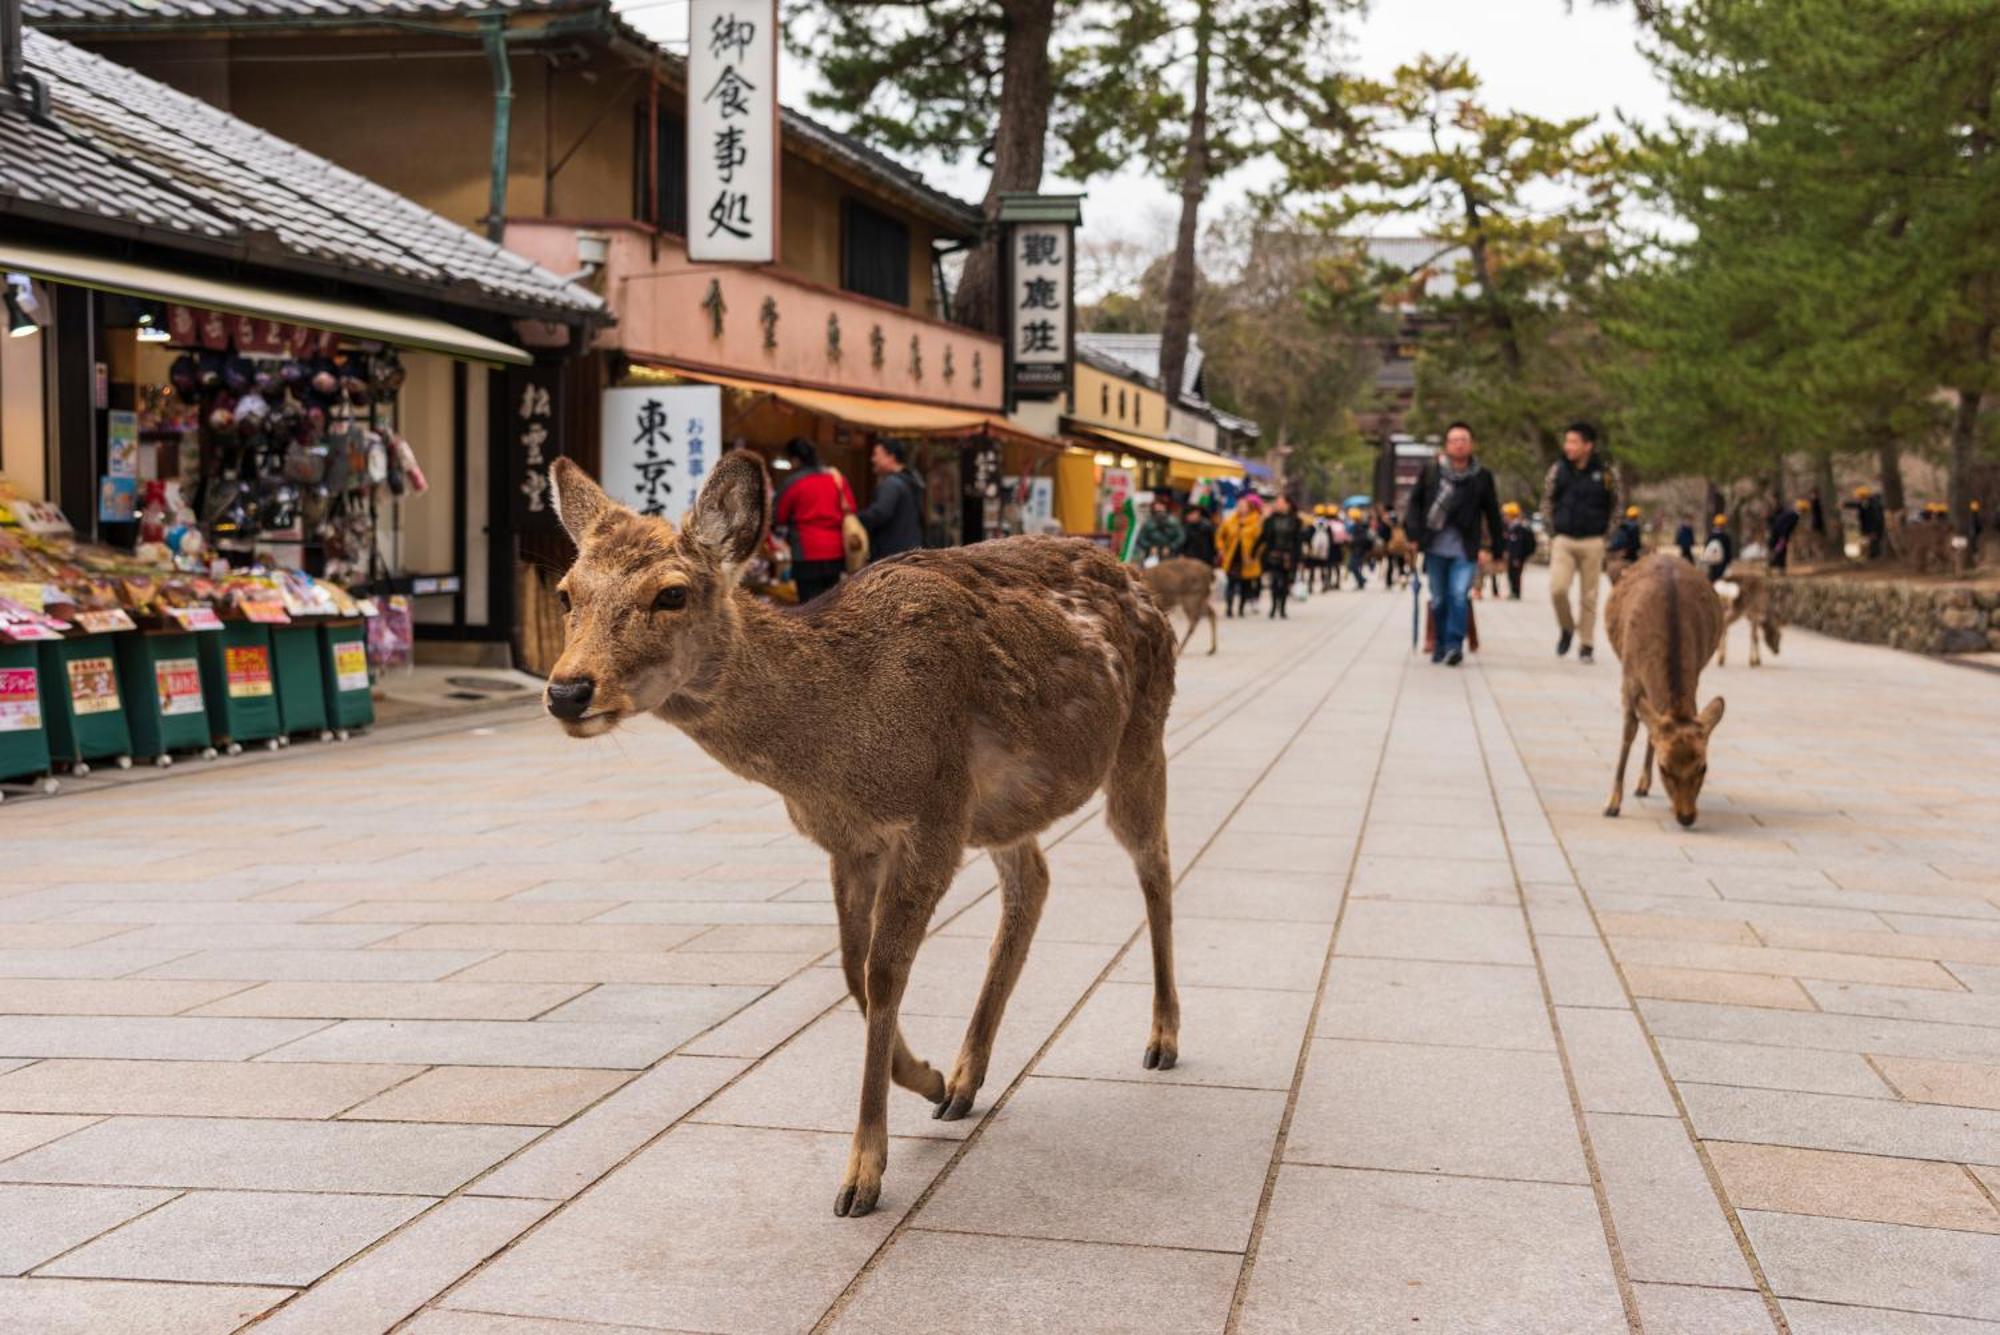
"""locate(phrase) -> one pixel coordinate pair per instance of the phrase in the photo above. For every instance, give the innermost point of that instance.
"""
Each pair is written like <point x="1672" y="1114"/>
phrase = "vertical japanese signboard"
<point x="1039" y="291"/>
<point x="659" y="444"/>
<point x="533" y="408"/>
<point x="732" y="130"/>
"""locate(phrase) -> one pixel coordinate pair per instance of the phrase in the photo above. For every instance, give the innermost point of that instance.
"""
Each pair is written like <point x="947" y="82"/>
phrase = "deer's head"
<point x="1680" y="746"/>
<point x="649" y="610"/>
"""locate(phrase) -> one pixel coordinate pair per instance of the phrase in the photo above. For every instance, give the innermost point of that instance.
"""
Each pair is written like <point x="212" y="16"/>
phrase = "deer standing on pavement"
<point x="1664" y="621"/>
<point x="1748" y="598"/>
<point x="933" y="701"/>
<point x="1189" y="586"/>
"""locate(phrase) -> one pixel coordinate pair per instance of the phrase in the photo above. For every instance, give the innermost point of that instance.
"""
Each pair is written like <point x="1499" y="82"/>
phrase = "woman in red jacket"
<point x="812" y="506"/>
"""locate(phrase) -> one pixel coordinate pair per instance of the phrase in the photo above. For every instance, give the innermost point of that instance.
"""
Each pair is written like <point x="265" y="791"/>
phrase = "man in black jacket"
<point x="1453" y="497"/>
<point x="895" y="516"/>
<point x="1580" y="501"/>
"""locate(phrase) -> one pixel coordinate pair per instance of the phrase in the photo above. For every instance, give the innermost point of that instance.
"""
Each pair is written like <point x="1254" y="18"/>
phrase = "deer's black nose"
<point x="571" y="699"/>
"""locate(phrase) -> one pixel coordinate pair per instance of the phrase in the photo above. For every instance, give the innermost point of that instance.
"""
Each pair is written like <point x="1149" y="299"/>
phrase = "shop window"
<point x="1121" y="405"/>
<point x="875" y="254"/>
<point x="1104" y="400"/>
<point x="669" y="210"/>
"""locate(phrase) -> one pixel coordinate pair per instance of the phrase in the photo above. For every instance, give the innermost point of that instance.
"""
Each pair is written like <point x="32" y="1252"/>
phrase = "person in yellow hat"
<point x="1625" y="543"/>
<point x="1720" y="550"/>
<point x="1784" y="524"/>
<point x="1360" y="545"/>
<point x="1870" y="519"/>
<point x="1519" y="545"/>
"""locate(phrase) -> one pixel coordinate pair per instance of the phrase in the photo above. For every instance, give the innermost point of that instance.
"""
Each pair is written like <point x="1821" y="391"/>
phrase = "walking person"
<point x="1236" y="547"/>
<point x="1454" y="497"/>
<point x="1520" y="546"/>
<point x="1720" y="550"/>
<point x="1161" y="536"/>
<point x="1360" y="538"/>
<point x="1784" y="525"/>
<point x="895" y="516"/>
<point x="1337" y="559"/>
<point x="1871" y="519"/>
<point x="814" y="505"/>
<point x="1684" y="539"/>
<point x="1278" y="547"/>
<point x="1198" y="536"/>
<point x="1579" y="500"/>
<point x="1319" y="550"/>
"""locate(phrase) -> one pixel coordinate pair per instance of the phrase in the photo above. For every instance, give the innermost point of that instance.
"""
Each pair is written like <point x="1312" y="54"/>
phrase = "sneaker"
<point x="1584" y="655"/>
<point x="1454" y="658"/>
<point x="1562" y="645"/>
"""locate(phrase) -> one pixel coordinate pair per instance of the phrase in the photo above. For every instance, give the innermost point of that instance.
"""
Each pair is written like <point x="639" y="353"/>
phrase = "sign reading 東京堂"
<point x="659" y="443"/>
<point x="732" y="130"/>
<point x="1039" y="291"/>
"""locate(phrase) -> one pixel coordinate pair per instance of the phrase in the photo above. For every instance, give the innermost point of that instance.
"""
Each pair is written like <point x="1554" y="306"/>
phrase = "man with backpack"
<point x="1581" y="499"/>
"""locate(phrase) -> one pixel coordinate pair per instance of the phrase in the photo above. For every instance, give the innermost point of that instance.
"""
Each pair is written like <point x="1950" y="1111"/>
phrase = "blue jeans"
<point x="1451" y="579"/>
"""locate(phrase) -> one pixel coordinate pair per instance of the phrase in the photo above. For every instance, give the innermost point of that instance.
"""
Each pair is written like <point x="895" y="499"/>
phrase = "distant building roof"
<point x="1141" y="353"/>
<point x="1426" y="259"/>
<point x="80" y="18"/>
<point x="129" y="156"/>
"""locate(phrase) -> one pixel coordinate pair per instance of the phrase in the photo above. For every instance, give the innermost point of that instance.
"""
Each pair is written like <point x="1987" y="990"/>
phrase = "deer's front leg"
<point x="1645" y="784"/>
<point x="1617" y="801"/>
<point x="916" y="880"/>
<point x="1756" y="658"/>
<point x="857" y="880"/>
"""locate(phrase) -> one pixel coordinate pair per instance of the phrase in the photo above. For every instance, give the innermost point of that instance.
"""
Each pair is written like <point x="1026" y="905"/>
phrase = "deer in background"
<point x="1747" y="597"/>
<point x="935" y="700"/>
<point x="1188" y="586"/>
<point x="1664" y="621"/>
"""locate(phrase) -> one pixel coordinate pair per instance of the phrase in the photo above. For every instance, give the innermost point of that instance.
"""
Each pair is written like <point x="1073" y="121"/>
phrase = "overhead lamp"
<point x="152" y="329"/>
<point x="1103" y="459"/>
<point x="1127" y="461"/>
<point x="20" y="323"/>
<point x="782" y="464"/>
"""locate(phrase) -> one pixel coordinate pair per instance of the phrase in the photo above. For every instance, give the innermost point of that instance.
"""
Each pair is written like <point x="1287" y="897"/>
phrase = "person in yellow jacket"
<point x="1236" y="550"/>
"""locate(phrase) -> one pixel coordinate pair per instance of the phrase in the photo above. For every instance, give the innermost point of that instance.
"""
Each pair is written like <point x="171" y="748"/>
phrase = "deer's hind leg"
<point x="857" y="879"/>
<point x="920" y="867"/>
<point x="1024" y="888"/>
<point x="1194" y="624"/>
<point x="1208" y="611"/>
<point x="1617" y="801"/>
<point x="1136" y="810"/>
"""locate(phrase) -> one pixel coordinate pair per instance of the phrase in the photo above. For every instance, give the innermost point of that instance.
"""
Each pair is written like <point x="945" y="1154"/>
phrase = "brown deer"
<point x="1747" y="597"/>
<point x="1189" y="586"/>
<point x="933" y="701"/>
<point x="1664" y="621"/>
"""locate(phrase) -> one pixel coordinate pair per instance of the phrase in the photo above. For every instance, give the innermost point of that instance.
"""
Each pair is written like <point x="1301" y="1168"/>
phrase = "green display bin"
<point x="350" y="702"/>
<point x="295" y="655"/>
<point x="24" y="712"/>
<point x="86" y="710"/>
<point x="238" y="684"/>
<point x="160" y="674"/>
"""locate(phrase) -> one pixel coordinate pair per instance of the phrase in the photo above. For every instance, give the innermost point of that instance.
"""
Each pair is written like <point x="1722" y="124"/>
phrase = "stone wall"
<point x="1924" y="619"/>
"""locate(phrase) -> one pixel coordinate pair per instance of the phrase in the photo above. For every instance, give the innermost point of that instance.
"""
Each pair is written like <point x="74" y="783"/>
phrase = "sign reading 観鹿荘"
<point x="658" y="445"/>
<point x="732" y="130"/>
<point x="1038" y="323"/>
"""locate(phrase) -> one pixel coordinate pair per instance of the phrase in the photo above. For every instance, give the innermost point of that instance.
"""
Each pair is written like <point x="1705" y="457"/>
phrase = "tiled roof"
<point x="82" y="17"/>
<point x="1141" y="353"/>
<point x="128" y="155"/>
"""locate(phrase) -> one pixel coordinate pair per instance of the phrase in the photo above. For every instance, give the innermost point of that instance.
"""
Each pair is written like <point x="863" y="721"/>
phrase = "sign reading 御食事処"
<point x="659" y="444"/>
<point x="732" y="131"/>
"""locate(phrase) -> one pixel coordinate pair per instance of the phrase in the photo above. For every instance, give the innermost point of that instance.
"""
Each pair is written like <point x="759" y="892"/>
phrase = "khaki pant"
<point x="1582" y="558"/>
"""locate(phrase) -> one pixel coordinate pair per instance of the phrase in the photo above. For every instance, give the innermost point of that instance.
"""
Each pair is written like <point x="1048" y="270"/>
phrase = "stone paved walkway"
<point x="492" y="1033"/>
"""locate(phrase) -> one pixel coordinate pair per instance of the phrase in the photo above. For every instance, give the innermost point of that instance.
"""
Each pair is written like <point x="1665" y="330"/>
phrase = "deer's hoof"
<point x="1611" y="810"/>
<point x="857" y="1199"/>
<point x="957" y="1100"/>
<point x="1161" y="1057"/>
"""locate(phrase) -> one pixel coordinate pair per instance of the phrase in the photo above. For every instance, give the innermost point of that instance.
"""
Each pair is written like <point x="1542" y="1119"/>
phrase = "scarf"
<point x="1451" y="483"/>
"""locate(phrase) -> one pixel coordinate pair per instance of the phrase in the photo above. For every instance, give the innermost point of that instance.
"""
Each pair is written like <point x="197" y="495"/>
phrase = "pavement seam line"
<point x="868" y="1267"/>
<point x="1620" y="1275"/>
<point x="1772" y="1308"/>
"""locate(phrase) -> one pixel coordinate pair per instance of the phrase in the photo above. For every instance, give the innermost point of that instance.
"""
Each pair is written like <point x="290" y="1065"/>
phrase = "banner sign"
<point x="1039" y="290"/>
<point x="248" y="670"/>
<point x="20" y="702"/>
<point x="178" y="681"/>
<point x="93" y="686"/>
<point x="193" y="327"/>
<point x="533" y="398"/>
<point x="350" y="666"/>
<point x="732" y="131"/>
<point x="659" y="443"/>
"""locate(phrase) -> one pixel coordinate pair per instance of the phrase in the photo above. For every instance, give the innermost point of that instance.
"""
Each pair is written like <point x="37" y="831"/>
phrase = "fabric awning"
<point x="342" y="317"/>
<point x="896" y="416"/>
<point x="1187" y="460"/>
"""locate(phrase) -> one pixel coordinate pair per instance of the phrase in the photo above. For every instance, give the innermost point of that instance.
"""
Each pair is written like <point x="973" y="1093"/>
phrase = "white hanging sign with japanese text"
<point x="732" y="131"/>
<point x="659" y="444"/>
<point x="1039" y="315"/>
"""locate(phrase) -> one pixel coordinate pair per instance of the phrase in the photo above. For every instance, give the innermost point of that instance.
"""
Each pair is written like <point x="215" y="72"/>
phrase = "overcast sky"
<point x="1537" y="56"/>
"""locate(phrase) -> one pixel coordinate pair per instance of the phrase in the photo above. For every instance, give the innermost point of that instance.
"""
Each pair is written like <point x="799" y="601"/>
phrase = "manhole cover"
<point x="484" y="684"/>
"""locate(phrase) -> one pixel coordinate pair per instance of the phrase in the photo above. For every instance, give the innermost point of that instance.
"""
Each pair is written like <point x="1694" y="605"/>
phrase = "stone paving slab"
<point x="541" y="1055"/>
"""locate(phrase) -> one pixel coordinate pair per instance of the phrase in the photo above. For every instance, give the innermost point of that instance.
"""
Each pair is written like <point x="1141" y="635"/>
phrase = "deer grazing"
<point x="933" y="701"/>
<point x="1747" y="597"/>
<point x="1186" y="585"/>
<point x="1664" y="621"/>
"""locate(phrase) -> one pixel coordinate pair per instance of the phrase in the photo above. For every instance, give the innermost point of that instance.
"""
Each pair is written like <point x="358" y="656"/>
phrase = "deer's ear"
<point x="1711" y="714"/>
<point x="728" y="517"/>
<point x="576" y="498"/>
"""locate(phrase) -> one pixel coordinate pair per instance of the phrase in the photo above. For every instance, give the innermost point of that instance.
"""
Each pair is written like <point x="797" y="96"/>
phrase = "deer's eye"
<point x="562" y="596"/>
<point x="671" y="599"/>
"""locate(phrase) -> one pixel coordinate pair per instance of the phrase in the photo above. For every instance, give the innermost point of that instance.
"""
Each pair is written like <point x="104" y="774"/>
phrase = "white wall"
<point x="424" y="416"/>
<point x="23" y="425"/>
